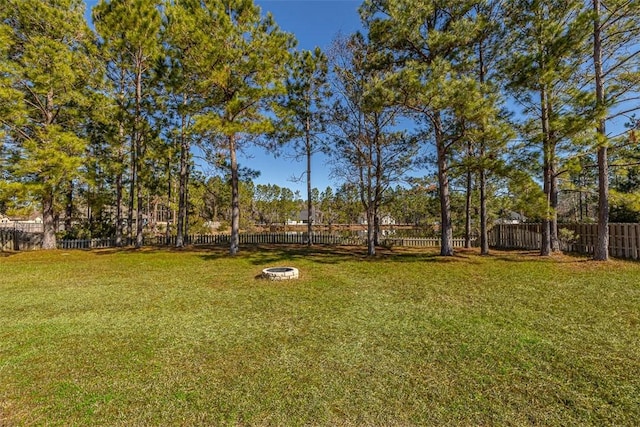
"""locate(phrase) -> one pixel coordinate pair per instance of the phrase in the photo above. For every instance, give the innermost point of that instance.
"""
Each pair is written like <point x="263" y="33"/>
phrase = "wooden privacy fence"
<point x="299" y="238"/>
<point x="28" y="227"/>
<point x="422" y="242"/>
<point x="17" y="240"/>
<point x="624" y="239"/>
<point x="260" y="238"/>
<point x="7" y="238"/>
<point x="87" y="243"/>
<point x="515" y="236"/>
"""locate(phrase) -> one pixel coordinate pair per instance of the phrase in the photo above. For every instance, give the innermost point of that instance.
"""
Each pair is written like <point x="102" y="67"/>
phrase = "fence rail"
<point x="87" y="243"/>
<point x="7" y="240"/>
<point x="422" y="242"/>
<point x="299" y="238"/>
<point x="624" y="239"/>
<point x="17" y="240"/>
<point x="11" y="239"/>
<point x="28" y="227"/>
<point x="260" y="239"/>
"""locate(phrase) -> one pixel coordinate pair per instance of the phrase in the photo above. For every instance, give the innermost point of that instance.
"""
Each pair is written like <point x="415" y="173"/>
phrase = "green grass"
<point x="410" y="338"/>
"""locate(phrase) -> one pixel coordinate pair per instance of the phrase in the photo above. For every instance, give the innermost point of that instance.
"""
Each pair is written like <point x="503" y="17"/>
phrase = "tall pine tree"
<point x="546" y="38"/>
<point x="371" y="153"/>
<point x="130" y="33"/>
<point x="425" y="44"/>
<point x="616" y="73"/>
<point x="305" y="109"/>
<point x="46" y="70"/>
<point x="239" y="59"/>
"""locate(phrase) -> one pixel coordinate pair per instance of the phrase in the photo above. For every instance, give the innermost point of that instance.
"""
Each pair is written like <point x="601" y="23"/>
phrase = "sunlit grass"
<point x="410" y="338"/>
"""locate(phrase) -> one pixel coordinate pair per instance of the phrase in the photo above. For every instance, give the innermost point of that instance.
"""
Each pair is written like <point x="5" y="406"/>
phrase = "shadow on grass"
<point x="269" y="254"/>
<point x="520" y="256"/>
<point x="124" y="250"/>
<point x="326" y="254"/>
<point x="279" y="254"/>
<point x="151" y="250"/>
<point x="323" y="254"/>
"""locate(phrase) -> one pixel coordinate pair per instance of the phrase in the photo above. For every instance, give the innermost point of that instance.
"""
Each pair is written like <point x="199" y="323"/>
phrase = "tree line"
<point x="513" y="105"/>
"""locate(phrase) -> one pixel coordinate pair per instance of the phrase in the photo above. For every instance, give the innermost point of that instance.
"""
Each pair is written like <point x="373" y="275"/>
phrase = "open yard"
<point x="159" y="337"/>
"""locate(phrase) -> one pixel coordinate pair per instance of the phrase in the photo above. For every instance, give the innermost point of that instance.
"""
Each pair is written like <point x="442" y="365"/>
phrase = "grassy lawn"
<point x="160" y="337"/>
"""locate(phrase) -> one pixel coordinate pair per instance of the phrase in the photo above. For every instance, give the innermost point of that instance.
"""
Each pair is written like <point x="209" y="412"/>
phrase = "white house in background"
<point x="386" y="219"/>
<point x="316" y="214"/>
<point x="33" y="225"/>
<point x="512" y="218"/>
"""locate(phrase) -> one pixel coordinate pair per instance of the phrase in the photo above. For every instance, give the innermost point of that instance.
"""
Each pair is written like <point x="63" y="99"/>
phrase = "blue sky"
<point x="314" y="23"/>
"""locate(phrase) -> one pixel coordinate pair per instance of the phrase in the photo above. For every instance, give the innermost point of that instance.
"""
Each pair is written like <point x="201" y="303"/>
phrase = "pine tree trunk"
<point x="48" y="221"/>
<point x="132" y="189"/>
<point x="167" y="231"/>
<point x="138" y="151"/>
<point x="235" y="198"/>
<point x="120" y="163"/>
<point x="371" y="227"/>
<point x="68" y="212"/>
<point x="184" y="183"/>
<point x="139" y="222"/>
<point x="553" y="182"/>
<point x="378" y="190"/>
<point x="446" y="229"/>
<point x="602" y="245"/>
<point x="376" y="229"/>
<point x="484" y="232"/>
<point x="310" y="216"/>
<point x="553" y="198"/>
<point x="119" y="209"/>
<point x="601" y="252"/>
<point x="545" y="248"/>
<point x="186" y="208"/>
<point x="467" y="209"/>
<point x="182" y="200"/>
<point x="48" y="208"/>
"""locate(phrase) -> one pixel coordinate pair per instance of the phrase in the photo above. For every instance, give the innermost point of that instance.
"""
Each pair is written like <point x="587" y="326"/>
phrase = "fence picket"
<point x="624" y="240"/>
<point x="635" y="241"/>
